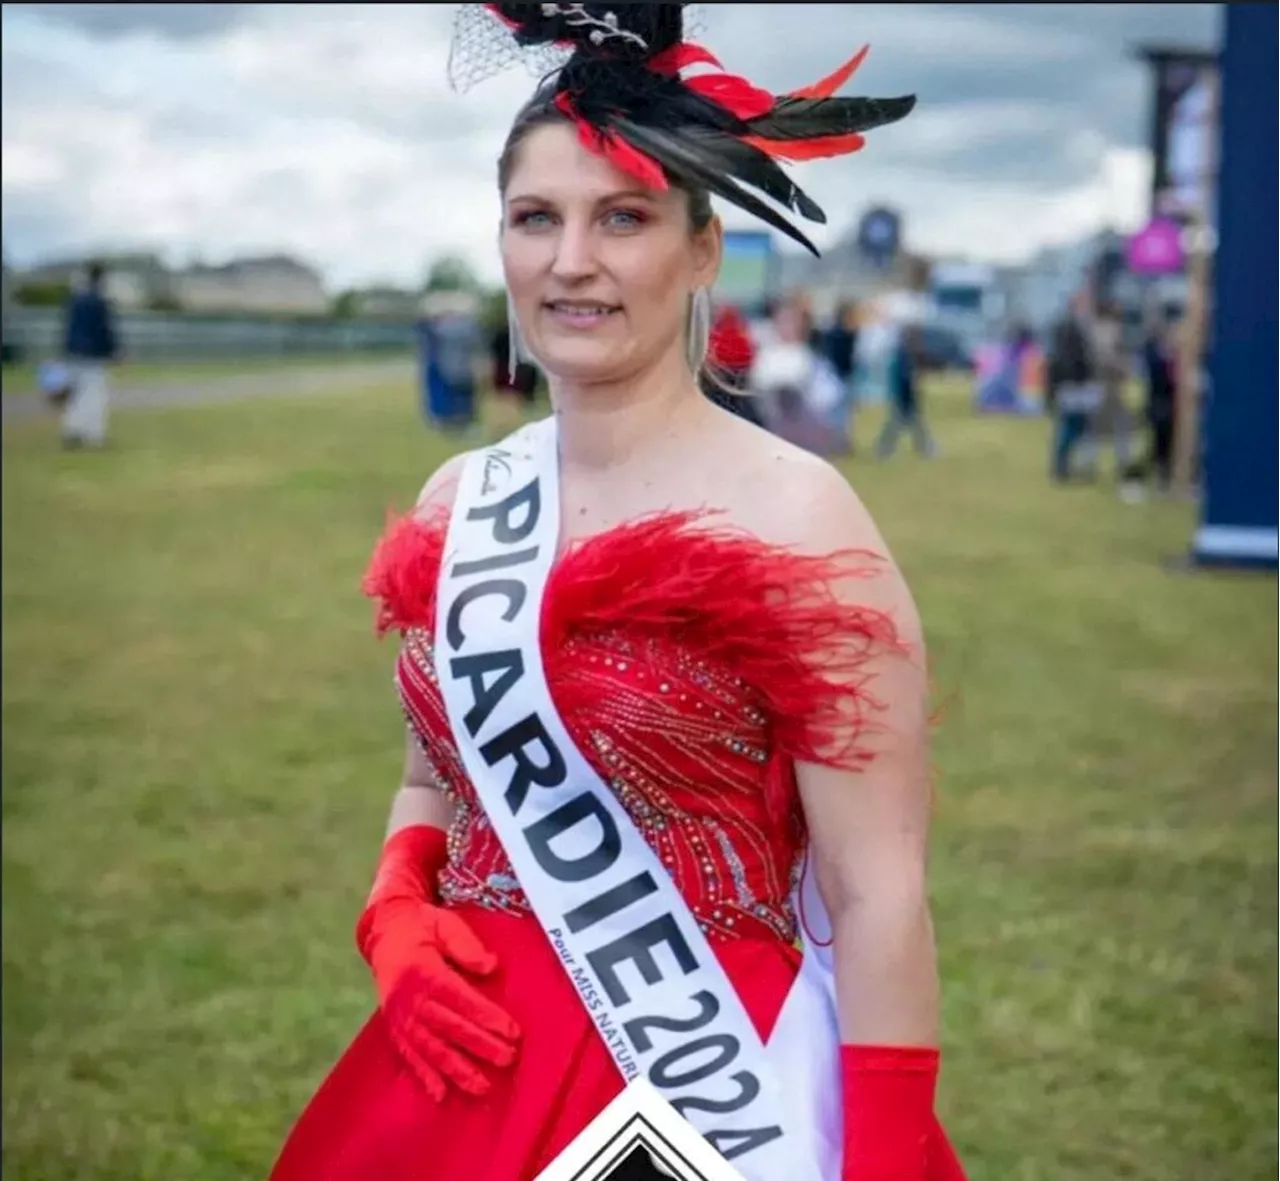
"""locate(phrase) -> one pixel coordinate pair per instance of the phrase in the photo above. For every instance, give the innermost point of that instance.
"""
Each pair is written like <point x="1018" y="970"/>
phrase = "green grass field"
<point x="20" y="380"/>
<point x="201" y="741"/>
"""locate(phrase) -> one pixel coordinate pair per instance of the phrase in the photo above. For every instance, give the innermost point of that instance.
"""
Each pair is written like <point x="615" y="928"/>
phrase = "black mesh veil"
<point x="484" y="46"/>
<point x="657" y="105"/>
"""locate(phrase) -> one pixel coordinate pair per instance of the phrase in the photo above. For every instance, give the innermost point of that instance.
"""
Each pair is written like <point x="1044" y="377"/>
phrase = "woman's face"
<point x="599" y="267"/>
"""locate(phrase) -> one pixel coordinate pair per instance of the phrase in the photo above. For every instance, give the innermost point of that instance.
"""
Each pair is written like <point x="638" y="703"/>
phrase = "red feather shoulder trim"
<point x="766" y="614"/>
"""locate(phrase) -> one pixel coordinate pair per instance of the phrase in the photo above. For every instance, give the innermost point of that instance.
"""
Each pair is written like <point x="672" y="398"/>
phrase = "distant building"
<point x="133" y="281"/>
<point x="385" y="303"/>
<point x="274" y="283"/>
<point x="844" y="272"/>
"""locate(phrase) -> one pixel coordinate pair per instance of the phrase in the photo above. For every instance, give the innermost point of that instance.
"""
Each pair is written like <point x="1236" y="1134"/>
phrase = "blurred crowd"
<point x="1088" y="386"/>
<point x="1103" y="387"/>
<point x="779" y="369"/>
<point x="804" y="381"/>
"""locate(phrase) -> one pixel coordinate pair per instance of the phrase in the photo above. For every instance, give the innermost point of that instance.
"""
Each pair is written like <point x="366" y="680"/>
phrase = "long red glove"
<point x="442" y="1026"/>
<point x="890" y="1130"/>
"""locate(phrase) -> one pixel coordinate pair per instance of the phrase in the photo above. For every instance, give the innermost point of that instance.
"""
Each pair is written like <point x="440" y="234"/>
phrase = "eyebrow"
<point x="620" y="195"/>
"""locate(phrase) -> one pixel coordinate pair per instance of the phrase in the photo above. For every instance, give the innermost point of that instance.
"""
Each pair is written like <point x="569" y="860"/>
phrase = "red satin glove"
<point x="890" y="1130"/>
<point x="441" y="1024"/>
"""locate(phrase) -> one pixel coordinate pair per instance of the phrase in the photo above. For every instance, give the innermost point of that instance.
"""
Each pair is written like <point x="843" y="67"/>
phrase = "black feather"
<point x="756" y="168"/>
<point x="816" y="118"/>
<point x="700" y="166"/>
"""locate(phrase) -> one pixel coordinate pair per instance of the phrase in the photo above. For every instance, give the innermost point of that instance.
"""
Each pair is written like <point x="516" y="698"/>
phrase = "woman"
<point x="798" y="389"/>
<point x="708" y="675"/>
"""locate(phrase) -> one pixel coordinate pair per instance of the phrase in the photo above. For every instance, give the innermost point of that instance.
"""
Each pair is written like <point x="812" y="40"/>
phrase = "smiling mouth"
<point x="581" y="311"/>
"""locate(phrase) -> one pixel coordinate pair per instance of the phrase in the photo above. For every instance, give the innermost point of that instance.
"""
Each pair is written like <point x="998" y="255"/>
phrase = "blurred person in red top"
<point x="730" y="352"/>
<point x="732" y="349"/>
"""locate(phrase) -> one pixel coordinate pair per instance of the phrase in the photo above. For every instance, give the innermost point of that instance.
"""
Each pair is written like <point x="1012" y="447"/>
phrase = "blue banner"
<point x="1238" y="510"/>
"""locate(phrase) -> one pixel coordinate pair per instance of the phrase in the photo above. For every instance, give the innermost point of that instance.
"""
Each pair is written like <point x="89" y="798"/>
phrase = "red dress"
<point x="693" y="665"/>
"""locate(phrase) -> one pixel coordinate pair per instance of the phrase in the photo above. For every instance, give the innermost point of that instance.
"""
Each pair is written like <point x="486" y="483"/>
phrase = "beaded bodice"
<point x="691" y="682"/>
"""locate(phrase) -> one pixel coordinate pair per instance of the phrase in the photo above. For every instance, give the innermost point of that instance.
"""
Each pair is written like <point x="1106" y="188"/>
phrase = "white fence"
<point x="36" y="333"/>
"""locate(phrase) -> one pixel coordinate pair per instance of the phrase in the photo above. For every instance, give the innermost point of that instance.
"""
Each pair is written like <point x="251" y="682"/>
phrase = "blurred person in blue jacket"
<point x="90" y="344"/>
<point x="840" y="345"/>
<point x="906" y="410"/>
<point x="453" y="343"/>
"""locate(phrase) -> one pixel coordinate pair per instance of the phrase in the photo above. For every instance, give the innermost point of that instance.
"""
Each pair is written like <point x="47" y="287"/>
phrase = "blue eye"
<point x="532" y="219"/>
<point x="624" y="219"/>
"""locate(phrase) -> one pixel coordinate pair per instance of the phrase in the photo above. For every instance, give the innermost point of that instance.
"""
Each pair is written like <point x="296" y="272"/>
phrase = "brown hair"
<point x="541" y="111"/>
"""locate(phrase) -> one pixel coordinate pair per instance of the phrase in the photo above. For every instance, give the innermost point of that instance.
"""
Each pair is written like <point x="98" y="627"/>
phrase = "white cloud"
<point x="330" y="131"/>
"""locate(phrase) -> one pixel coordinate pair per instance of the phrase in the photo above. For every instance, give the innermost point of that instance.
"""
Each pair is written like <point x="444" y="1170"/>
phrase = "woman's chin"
<point x="583" y="361"/>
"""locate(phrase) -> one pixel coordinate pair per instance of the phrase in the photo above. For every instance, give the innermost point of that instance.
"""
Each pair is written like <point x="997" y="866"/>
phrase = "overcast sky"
<point x="330" y="132"/>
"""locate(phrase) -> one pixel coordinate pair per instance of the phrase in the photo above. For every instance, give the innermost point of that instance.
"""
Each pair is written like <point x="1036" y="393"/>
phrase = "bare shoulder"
<point x="442" y="486"/>
<point x="790" y="497"/>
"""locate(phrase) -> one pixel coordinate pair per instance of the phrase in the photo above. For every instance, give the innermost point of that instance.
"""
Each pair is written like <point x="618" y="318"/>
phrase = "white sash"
<point x="658" y="996"/>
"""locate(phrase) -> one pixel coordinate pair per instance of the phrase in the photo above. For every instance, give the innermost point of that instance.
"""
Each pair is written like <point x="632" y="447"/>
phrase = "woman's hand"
<point x="422" y="956"/>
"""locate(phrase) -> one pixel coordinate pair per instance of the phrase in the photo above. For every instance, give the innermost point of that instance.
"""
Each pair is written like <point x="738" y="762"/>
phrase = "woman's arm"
<point x="869" y="828"/>
<point x="868" y="831"/>
<point x="869" y="836"/>
<point x="420" y="799"/>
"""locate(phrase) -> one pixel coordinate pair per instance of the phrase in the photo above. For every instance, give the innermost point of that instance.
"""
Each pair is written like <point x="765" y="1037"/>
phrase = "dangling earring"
<point x="699" y="328"/>
<point x="516" y="351"/>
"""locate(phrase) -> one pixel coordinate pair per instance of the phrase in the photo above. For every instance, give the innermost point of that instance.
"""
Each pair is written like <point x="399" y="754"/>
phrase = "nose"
<point x="575" y="259"/>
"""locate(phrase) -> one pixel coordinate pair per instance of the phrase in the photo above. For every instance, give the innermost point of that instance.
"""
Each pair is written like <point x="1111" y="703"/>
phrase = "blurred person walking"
<point x="840" y="345"/>
<point x="1075" y="383"/>
<point x="906" y="411"/>
<point x="1113" y="418"/>
<point x="797" y="388"/>
<point x="90" y="344"/>
<point x="1159" y="363"/>
<point x="452" y="343"/>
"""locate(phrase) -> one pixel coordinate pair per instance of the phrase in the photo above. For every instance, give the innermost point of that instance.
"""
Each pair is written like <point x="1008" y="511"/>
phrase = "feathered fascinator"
<point x="655" y="104"/>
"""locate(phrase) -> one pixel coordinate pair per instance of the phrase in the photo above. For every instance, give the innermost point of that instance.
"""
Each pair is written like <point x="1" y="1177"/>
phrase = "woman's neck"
<point x="603" y="426"/>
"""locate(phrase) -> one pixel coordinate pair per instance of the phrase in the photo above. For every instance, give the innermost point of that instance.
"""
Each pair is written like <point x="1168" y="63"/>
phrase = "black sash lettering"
<point x="605" y="902"/>
<point x="748" y="1090"/>
<point x="497" y="562"/>
<point x="724" y="1048"/>
<point x="638" y="1027"/>
<point x="614" y="899"/>
<point x="508" y="663"/>
<point x="504" y="532"/>
<point x="635" y="946"/>
<point x="511" y="589"/>
<point x="729" y="1142"/>
<point x="513" y="743"/>
<point x="583" y="807"/>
